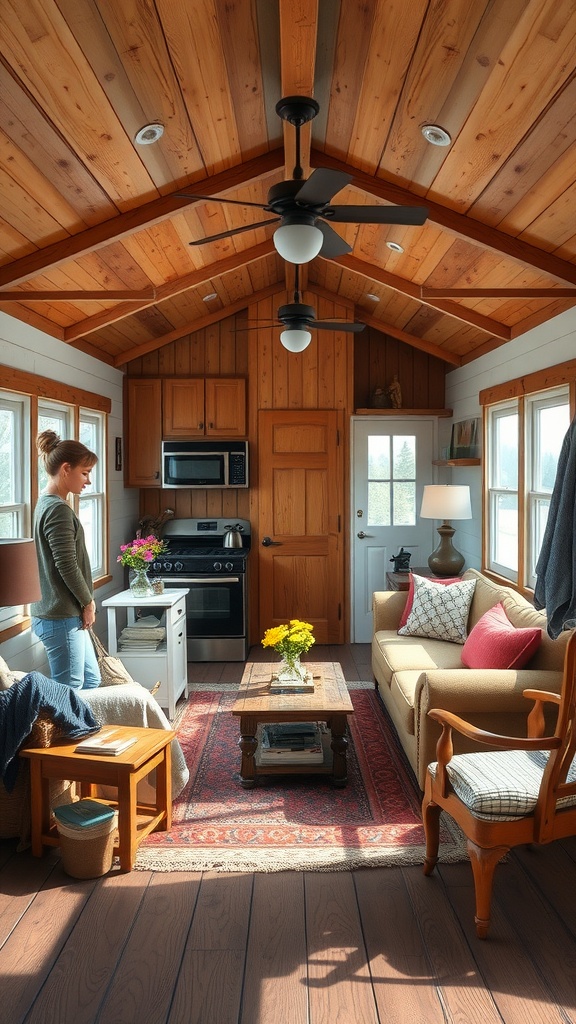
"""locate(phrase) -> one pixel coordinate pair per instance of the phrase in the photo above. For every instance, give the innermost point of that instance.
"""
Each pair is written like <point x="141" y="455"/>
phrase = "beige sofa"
<point x="414" y="674"/>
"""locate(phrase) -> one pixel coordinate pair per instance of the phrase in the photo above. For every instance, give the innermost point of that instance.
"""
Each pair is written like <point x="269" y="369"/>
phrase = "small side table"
<point x="135" y="820"/>
<point x="401" y="580"/>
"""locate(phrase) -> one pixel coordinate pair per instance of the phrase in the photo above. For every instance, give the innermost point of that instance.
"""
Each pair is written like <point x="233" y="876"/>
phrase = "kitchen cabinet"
<point x="143" y="432"/>
<point x="168" y="664"/>
<point x="204" y="407"/>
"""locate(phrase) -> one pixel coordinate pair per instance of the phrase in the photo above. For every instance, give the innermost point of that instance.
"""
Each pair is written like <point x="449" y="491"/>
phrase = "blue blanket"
<point x="20" y="706"/>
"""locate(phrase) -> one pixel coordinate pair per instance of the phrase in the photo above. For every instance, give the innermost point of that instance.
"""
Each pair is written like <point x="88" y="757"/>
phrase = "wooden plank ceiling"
<point x="94" y="241"/>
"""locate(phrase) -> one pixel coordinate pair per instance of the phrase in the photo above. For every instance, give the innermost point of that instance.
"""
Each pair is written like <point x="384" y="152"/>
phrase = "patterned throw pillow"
<point x="444" y="581"/>
<point x="438" y="612"/>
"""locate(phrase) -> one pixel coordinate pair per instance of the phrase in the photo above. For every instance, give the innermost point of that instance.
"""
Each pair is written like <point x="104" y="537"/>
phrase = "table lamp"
<point x="19" y="579"/>
<point x="446" y="502"/>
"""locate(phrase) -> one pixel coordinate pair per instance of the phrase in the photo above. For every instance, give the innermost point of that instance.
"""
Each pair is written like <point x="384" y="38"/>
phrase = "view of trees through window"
<point x="391" y="480"/>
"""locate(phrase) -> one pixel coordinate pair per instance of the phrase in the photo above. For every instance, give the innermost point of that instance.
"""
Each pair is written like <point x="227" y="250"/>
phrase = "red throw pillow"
<point x="495" y="643"/>
<point x="410" y="601"/>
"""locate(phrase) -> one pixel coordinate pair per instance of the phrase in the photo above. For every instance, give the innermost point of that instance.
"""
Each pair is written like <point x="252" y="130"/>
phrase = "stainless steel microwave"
<point x="205" y="463"/>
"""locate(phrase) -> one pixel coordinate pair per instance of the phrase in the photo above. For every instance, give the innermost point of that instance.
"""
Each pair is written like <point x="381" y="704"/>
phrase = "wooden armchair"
<point x="523" y="792"/>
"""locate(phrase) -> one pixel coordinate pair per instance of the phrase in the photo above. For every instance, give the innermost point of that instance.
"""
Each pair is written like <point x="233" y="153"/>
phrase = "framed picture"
<point x="465" y="442"/>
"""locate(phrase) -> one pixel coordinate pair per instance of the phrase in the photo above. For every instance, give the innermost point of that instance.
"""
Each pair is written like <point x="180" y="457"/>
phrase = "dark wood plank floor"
<point x="360" y="947"/>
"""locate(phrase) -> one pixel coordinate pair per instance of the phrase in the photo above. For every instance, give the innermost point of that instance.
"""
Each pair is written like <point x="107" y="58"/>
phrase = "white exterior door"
<point x="391" y="463"/>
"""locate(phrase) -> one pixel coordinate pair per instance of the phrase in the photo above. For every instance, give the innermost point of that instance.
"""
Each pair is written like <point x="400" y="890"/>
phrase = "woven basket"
<point x="88" y="852"/>
<point x="44" y="732"/>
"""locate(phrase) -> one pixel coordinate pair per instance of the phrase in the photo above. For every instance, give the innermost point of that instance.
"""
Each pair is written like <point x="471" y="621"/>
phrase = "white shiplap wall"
<point x="552" y="343"/>
<point x="26" y="348"/>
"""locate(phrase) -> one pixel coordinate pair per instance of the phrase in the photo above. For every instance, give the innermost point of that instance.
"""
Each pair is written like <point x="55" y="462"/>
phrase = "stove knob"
<point x="167" y="566"/>
<point x="217" y="566"/>
<point x="157" y="566"/>
<point x="229" y="566"/>
<point x="179" y="566"/>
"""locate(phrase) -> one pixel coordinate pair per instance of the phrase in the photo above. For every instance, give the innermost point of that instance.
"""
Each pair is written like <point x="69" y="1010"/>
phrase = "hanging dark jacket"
<point x="555" y="589"/>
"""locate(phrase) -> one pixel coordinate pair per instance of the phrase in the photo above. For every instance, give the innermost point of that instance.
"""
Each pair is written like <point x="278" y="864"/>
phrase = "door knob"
<point x="268" y="542"/>
<point x="361" y="535"/>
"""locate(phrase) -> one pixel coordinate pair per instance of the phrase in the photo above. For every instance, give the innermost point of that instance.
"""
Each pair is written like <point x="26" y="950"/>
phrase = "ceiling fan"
<point x="303" y="207"/>
<point x="298" y="319"/>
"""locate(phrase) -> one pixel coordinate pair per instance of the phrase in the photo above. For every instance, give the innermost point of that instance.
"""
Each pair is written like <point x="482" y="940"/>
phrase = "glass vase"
<point x="140" y="584"/>
<point x="291" y="670"/>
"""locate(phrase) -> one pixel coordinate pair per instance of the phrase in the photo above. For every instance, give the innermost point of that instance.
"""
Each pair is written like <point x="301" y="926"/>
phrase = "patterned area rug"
<point x="295" y="822"/>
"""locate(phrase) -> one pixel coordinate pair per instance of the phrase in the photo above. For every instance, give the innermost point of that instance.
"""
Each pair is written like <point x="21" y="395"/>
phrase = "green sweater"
<point x="64" y="566"/>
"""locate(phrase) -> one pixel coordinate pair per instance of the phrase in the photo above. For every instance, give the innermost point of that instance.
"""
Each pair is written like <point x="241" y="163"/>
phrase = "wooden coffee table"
<point x="135" y="820"/>
<point x="330" y="702"/>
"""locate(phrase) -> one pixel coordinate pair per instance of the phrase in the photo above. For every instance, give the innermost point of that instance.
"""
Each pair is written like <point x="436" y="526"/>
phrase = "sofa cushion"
<point x="495" y="643"/>
<point x="501" y="785"/>
<point x="439" y="612"/>
<point x="446" y="581"/>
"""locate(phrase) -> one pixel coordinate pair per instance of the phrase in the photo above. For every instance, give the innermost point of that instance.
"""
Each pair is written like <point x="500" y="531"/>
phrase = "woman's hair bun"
<point x="47" y="441"/>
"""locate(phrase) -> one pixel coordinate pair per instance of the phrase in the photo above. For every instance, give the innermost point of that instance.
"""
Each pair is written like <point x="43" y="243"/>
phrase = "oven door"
<point x="215" y="605"/>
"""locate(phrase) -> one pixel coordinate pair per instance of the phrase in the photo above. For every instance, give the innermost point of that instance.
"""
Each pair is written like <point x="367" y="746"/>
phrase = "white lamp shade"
<point x="19" y="580"/>
<point x="446" y="501"/>
<point x="295" y="341"/>
<point x="298" y="243"/>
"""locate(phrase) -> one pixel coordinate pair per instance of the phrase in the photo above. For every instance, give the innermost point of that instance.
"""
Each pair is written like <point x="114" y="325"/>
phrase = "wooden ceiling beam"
<point x="497" y="293"/>
<point x="211" y="318"/>
<point x="298" y="31"/>
<point x="399" y="284"/>
<point x="457" y="223"/>
<point x="141" y="217"/>
<point x="98" y="295"/>
<point x="408" y="339"/>
<point x="171" y="288"/>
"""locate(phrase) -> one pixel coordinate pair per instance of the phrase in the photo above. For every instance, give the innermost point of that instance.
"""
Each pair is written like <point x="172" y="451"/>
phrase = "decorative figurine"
<point x="402" y="561"/>
<point x="395" y="393"/>
<point x="380" y="399"/>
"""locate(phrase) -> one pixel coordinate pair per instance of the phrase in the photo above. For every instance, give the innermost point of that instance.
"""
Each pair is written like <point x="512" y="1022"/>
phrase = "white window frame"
<point x="531" y="501"/>
<point x="95" y="497"/>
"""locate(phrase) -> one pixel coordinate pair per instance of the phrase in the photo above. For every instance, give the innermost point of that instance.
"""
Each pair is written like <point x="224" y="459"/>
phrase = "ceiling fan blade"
<point x="410" y="215"/>
<point x="333" y="245"/>
<point x="322" y="184"/>
<point x="338" y="326"/>
<point x="218" y="199"/>
<point x="234" y="231"/>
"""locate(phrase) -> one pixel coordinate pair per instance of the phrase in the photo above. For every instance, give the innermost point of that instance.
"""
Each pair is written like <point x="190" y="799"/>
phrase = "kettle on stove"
<point x="233" y="536"/>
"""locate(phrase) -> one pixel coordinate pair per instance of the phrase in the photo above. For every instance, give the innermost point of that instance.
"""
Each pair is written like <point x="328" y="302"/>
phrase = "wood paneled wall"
<point x="378" y="358"/>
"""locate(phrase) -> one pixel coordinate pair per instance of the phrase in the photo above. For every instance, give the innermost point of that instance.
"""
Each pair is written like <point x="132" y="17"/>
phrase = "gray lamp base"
<point x="445" y="560"/>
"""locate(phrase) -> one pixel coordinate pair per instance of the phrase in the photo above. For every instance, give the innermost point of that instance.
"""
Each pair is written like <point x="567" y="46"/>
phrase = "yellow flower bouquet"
<point x="290" y="641"/>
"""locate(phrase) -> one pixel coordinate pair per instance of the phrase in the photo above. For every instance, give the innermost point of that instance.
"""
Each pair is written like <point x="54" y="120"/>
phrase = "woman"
<point x="63" y="616"/>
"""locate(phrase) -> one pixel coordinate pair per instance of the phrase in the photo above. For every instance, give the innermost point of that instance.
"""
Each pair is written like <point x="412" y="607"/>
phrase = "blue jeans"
<point x="70" y="652"/>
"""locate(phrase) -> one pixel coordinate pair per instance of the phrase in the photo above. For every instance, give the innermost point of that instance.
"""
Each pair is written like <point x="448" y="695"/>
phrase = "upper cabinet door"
<point x="183" y="407"/>
<point x="225" y="407"/>
<point x="143" y="430"/>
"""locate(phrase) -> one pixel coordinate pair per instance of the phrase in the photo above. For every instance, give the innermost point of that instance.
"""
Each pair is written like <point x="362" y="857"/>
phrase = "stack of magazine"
<point x="291" y="743"/>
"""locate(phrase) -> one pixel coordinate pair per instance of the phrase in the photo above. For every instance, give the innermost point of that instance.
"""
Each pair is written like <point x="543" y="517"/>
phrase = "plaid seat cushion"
<point x="501" y="785"/>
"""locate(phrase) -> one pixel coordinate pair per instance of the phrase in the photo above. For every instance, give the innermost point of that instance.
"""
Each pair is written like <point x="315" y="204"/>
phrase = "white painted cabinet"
<point x="168" y="663"/>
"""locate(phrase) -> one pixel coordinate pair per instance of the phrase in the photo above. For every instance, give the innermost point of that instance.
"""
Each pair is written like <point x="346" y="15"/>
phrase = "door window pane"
<point x="391" y="480"/>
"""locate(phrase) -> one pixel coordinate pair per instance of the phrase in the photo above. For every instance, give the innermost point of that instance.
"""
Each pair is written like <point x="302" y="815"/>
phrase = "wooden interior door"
<point x="301" y="496"/>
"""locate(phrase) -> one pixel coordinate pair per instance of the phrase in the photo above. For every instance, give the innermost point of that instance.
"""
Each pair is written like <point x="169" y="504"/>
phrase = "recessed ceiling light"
<point x="395" y="246"/>
<point x="436" y="135"/>
<point x="148" y="134"/>
<point x="208" y="298"/>
<point x="375" y="298"/>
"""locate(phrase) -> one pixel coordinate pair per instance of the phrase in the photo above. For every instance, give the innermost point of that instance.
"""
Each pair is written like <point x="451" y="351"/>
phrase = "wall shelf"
<point x="456" y="462"/>
<point x="445" y="413"/>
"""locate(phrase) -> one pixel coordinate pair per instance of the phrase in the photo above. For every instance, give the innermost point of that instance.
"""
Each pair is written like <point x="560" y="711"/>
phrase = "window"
<point x="524" y="437"/>
<point x="14" y="481"/>
<point x="391" y="480"/>
<point x="71" y="412"/>
<point x="92" y="502"/>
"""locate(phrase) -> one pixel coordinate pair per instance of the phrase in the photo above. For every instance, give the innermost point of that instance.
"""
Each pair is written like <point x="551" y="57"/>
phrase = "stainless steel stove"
<point x="216" y="576"/>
